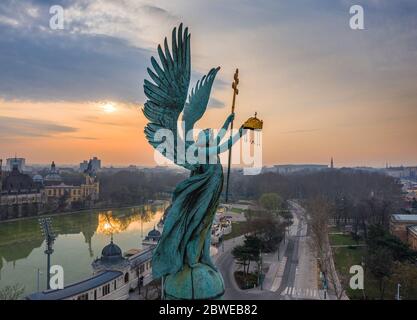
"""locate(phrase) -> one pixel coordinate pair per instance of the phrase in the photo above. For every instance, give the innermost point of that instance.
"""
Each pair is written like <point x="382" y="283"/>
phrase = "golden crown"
<point x="253" y="123"/>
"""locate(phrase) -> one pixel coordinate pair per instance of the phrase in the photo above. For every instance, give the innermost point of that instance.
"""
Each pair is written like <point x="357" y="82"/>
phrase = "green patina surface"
<point x="182" y="256"/>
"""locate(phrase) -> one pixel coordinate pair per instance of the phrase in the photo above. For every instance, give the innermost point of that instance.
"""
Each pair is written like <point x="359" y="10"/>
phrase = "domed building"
<point x="53" y="177"/>
<point x="111" y="253"/>
<point x="17" y="182"/>
<point x="114" y="276"/>
<point x="38" y="180"/>
<point x="111" y="259"/>
<point x="152" y="238"/>
<point x="55" y="188"/>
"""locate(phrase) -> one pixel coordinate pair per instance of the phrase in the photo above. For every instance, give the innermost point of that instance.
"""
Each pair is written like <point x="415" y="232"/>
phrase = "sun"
<point x="109" y="107"/>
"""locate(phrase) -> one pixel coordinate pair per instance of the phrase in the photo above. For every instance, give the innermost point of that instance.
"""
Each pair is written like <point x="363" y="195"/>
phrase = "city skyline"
<point x="322" y="89"/>
<point x="126" y="165"/>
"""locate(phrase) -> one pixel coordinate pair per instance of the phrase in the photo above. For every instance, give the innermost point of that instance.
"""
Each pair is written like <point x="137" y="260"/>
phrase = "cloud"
<point x="300" y="131"/>
<point x="67" y="67"/>
<point x="158" y="11"/>
<point x="82" y="138"/>
<point x="97" y="120"/>
<point x="11" y="127"/>
<point x="101" y="55"/>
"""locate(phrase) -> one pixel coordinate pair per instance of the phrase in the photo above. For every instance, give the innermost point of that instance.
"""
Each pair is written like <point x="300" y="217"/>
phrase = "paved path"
<point x="293" y="276"/>
<point x="300" y="275"/>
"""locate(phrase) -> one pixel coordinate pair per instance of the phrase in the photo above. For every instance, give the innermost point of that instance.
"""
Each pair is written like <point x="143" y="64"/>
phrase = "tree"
<point x="12" y="292"/>
<point x="268" y="228"/>
<point x="380" y="263"/>
<point x="271" y="201"/>
<point x="405" y="274"/>
<point x="319" y="211"/>
<point x="379" y="238"/>
<point x="242" y="257"/>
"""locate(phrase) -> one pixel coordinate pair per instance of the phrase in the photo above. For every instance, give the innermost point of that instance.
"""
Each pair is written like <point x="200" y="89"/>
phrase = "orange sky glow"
<point x="322" y="89"/>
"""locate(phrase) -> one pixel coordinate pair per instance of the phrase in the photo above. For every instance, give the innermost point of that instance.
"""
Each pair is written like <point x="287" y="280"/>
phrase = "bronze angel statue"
<point x="182" y="256"/>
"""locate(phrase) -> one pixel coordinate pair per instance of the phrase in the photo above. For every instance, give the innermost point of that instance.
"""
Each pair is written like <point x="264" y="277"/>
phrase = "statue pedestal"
<point x="201" y="282"/>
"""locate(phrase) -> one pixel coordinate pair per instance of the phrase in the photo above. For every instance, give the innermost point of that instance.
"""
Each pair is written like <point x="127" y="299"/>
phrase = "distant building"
<point x="19" y="162"/>
<point x="412" y="237"/>
<point x="95" y="164"/>
<point x="55" y="188"/>
<point x="402" y="172"/>
<point x="83" y="165"/>
<point x="53" y="177"/>
<point x="292" y="168"/>
<point x="20" y="196"/>
<point x="404" y="226"/>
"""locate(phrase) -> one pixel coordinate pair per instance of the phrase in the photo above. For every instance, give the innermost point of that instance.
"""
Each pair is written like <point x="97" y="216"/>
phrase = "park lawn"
<point x="334" y="229"/>
<point x="237" y="210"/>
<point x="344" y="258"/>
<point x="238" y="228"/>
<point x="343" y="239"/>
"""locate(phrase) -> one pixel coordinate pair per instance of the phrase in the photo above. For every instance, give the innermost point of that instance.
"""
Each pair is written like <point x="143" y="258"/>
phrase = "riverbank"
<point x="64" y="213"/>
<point x="80" y="238"/>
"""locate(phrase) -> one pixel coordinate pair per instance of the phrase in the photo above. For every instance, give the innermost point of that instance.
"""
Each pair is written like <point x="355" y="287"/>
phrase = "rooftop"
<point x="413" y="229"/>
<point x="141" y="257"/>
<point x="405" y="217"/>
<point x="76" y="288"/>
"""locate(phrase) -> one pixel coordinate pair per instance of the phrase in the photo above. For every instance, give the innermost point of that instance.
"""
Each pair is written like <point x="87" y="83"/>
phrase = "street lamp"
<point x="398" y="297"/>
<point x="140" y="284"/>
<point x="363" y="266"/>
<point x="260" y="276"/>
<point x="47" y="232"/>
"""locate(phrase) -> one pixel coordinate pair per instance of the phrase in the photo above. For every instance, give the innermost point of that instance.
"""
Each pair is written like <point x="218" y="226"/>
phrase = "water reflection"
<point x="135" y="221"/>
<point x="80" y="237"/>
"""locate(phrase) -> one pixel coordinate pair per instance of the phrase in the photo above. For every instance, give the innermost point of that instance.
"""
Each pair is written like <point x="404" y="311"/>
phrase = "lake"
<point x="80" y="237"/>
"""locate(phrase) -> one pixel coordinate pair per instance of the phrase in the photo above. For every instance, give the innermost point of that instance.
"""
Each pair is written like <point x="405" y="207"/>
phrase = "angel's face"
<point x="205" y="137"/>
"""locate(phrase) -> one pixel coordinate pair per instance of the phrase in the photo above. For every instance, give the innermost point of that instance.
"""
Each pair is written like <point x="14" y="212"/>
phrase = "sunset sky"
<point x="321" y="88"/>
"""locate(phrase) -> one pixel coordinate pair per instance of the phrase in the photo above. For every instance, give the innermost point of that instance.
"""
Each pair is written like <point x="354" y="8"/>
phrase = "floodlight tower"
<point x="47" y="232"/>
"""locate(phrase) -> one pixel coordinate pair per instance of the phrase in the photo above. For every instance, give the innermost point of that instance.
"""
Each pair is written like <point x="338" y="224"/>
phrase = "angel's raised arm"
<point x="226" y="145"/>
<point x="226" y="124"/>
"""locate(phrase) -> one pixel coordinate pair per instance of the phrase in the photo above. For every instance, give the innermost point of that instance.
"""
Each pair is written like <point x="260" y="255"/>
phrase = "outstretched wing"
<point x="168" y="92"/>
<point x="198" y="100"/>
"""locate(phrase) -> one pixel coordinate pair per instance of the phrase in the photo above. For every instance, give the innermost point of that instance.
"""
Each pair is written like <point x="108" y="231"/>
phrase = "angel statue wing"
<point x="198" y="100"/>
<point x="168" y="94"/>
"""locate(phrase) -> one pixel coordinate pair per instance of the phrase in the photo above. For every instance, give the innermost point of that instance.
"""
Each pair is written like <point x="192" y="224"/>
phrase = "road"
<point x="299" y="279"/>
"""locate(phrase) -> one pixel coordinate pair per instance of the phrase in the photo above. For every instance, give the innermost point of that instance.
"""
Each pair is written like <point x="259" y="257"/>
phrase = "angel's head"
<point x="205" y="137"/>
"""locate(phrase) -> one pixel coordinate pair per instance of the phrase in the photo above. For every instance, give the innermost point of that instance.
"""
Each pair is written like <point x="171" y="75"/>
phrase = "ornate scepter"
<point x="235" y="93"/>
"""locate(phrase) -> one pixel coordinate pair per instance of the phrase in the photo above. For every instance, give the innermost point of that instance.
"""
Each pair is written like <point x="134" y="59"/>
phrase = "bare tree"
<point x="319" y="212"/>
